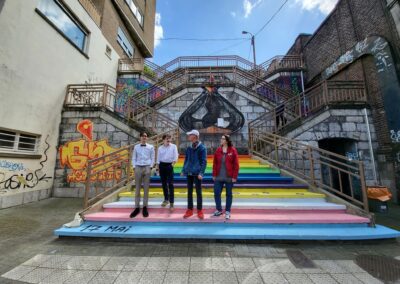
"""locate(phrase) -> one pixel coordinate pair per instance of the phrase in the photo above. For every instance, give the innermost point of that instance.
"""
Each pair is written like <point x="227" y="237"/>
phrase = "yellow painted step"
<point x="240" y="190"/>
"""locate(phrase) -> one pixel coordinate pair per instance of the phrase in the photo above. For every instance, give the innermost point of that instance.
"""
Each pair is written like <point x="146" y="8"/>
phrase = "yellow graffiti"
<point x="76" y="154"/>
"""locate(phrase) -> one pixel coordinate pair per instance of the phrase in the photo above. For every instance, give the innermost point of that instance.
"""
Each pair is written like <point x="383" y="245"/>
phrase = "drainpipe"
<point x="370" y="146"/>
<point x="304" y="97"/>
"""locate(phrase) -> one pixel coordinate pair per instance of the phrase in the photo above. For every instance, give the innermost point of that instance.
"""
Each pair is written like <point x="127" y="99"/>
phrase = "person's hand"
<point x="214" y="178"/>
<point x="234" y="180"/>
<point x="200" y="177"/>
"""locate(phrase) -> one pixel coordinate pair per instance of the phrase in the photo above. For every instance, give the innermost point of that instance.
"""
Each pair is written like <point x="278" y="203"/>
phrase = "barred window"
<point x="11" y="141"/>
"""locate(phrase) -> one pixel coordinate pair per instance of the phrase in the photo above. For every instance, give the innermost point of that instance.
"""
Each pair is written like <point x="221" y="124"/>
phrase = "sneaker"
<point x="171" y="207"/>
<point x="145" y="212"/>
<point x="165" y="203"/>
<point x="188" y="213"/>
<point x="200" y="214"/>
<point x="134" y="213"/>
<point x="217" y="213"/>
<point x="227" y="215"/>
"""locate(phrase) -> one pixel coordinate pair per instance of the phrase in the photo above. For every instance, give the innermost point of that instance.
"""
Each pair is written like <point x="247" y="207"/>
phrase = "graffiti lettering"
<point x="352" y="156"/>
<point x="11" y="166"/>
<point x="118" y="229"/>
<point x="395" y="136"/>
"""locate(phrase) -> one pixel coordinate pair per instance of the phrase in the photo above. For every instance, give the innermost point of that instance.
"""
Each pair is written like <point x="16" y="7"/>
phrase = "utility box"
<point x="378" y="197"/>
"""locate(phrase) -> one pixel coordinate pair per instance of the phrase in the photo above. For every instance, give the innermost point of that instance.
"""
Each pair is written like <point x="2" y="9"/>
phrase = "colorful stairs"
<point x="266" y="205"/>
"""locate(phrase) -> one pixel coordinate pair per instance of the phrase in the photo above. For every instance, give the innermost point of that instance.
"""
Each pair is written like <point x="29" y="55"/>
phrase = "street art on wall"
<point x="127" y="87"/>
<point x="212" y="113"/>
<point x="16" y="175"/>
<point x="75" y="155"/>
<point x="379" y="48"/>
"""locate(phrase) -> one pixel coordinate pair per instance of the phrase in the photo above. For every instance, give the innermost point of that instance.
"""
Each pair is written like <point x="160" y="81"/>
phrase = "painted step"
<point x="240" y="200"/>
<point x="288" y="205"/>
<point x="243" y="185"/>
<point x="232" y="231"/>
<point x="241" y="179"/>
<point x="235" y="190"/>
<point x="238" y="216"/>
<point x="241" y="164"/>
<point x="178" y="170"/>
<point x="238" y="194"/>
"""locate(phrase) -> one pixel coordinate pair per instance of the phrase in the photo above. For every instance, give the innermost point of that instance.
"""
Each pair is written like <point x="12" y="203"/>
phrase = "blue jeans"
<point x="218" y="186"/>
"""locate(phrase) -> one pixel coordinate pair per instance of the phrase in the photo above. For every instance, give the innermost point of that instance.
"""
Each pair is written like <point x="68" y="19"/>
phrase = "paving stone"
<point x="200" y="264"/>
<point x="136" y="264"/>
<point x="86" y="262"/>
<point x="81" y="277"/>
<point x="104" y="277"/>
<point x="224" y="277"/>
<point x="322" y="278"/>
<point x="37" y="260"/>
<point x="346" y="278"/>
<point x="158" y="263"/>
<point x="273" y="278"/>
<point x="152" y="277"/>
<point x="286" y="266"/>
<point x="176" y="277"/>
<point x="297" y="278"/>
<point x="115" y="263"/>
<point x="56" y="261"/>
<point x="129" y="277"/>
<point x="200" y="277"/>
<point x="37" y="275"/>
<point x="266" y="265"/>
<point x="243" y="264"/>
<point x="330" y="266"/>
<point x="350" y="266"/>
<point x="249" y="277"/>
<point x="18" y="272"/>
<point x="179" y="264"/>
<point x="222" y="264"/>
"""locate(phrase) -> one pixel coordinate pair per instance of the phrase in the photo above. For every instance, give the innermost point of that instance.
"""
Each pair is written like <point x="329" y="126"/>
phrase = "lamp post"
<point x="253" y="43"/>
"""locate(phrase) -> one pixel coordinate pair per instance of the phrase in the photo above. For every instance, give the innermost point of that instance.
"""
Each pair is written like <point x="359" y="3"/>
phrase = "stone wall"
<point x="86" y="135"/>
<point x="250" y="107"/>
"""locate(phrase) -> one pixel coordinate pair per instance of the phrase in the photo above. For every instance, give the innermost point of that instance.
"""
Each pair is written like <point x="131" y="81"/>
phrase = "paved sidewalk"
<point x="29" y="253"/>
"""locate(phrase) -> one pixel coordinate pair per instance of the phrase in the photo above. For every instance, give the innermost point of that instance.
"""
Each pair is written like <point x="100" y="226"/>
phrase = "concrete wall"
<point x="107" y="134"/>
<point x="36" y="65"/>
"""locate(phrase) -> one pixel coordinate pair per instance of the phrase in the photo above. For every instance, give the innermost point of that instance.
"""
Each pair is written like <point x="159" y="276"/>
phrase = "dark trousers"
<point x="167" y="181"/>
<point x="218" y="186"/>
<point x="197" y="182"/>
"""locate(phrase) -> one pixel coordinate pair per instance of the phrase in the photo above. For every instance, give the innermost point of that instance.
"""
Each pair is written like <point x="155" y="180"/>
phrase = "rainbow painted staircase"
<point x="266" y="205"/>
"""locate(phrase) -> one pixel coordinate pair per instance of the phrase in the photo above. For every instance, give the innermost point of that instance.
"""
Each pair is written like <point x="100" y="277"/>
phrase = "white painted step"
<point x="242" y="205"/>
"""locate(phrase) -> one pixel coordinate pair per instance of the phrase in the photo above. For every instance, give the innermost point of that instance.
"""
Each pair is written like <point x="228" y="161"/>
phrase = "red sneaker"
<point x="188" y="213"/>
<point x="200" y="214"/>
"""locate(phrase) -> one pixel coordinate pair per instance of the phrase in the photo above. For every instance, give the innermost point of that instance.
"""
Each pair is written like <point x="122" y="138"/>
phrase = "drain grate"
<point x="299" y="259"/>
<point x="384" y="268"/>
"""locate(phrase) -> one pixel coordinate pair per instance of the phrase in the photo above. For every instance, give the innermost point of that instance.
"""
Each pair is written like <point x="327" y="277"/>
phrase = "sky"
<point x="226" y="19"/>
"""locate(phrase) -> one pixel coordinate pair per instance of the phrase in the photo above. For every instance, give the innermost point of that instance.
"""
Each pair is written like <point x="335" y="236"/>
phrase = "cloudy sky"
<point x="212" y="20"/>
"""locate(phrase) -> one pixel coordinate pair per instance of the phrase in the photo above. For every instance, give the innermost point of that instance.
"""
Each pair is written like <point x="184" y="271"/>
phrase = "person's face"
<point x="223" y="141"/>
<point x="143" y="138"/>
<point x="167" y="141"/>
<point x="192" y="138"/>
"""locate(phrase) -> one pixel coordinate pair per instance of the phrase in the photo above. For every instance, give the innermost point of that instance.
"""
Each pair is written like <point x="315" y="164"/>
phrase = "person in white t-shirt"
<point x="167" y="156"/>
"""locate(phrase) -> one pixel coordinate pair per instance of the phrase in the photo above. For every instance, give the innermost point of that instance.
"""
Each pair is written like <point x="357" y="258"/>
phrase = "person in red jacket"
<point x="225" y="172"/>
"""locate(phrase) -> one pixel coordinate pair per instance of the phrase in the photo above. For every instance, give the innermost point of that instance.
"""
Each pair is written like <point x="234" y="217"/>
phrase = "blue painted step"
<point x="229" y="231"/>
<point x="241" y="179"/>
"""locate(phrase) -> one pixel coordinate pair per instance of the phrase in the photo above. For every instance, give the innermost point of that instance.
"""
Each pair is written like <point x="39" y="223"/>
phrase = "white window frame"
<point x="135" y="11"/>
<point x="123" y="41"/>
<point x="17" y="144"/>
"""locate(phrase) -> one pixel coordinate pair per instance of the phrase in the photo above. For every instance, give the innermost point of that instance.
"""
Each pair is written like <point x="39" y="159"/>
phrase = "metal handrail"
<point x="118" y="164"/>
<point x="281" y="63"/>
<point x="316" y="166"/>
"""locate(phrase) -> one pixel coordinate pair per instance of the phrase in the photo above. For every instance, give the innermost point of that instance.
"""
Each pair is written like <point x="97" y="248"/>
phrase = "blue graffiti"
<point x="11" y="166"/>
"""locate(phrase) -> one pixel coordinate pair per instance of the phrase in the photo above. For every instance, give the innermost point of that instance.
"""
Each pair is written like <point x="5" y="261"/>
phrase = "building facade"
<point x="47" y="45"/>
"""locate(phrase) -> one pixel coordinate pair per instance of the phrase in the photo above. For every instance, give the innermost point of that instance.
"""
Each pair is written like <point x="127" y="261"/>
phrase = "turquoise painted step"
<point x="229" y="231"/>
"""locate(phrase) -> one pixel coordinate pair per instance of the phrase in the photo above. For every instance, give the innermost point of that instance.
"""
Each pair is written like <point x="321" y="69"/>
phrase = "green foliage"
<point x="147" y="70"/>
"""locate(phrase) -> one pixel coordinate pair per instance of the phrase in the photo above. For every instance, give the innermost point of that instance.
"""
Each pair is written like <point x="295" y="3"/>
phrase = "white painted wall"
<point x="36" y="65"/>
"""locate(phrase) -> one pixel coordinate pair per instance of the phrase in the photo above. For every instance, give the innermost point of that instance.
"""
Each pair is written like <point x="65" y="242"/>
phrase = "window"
<point x="54" y="12"/>
<point x="124" y="43"/>
<point x="12" y="141"/>
<point x="135" y="11"/>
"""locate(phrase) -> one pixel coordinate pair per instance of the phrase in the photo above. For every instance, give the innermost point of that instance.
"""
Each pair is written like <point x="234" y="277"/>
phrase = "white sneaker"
<point x="227" y="215"/>
<point x="217" y="213"/>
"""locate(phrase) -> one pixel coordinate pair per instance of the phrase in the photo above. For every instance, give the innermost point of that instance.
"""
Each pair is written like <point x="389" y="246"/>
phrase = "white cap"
<point x="193" y="132"/>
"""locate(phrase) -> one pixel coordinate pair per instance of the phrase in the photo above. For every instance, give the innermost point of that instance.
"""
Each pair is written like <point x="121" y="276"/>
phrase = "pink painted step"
<point x="238" y="216"/>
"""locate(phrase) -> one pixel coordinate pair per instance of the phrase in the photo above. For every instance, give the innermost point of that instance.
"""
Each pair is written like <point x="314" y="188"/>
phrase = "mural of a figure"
<point x="212" y="113"/>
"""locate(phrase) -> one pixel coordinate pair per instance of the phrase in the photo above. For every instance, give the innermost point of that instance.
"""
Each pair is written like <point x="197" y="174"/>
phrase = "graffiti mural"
<point x="212" y="113"/>
<point x="75" y="155"/>
<point x="379" y="48"/>
<point x="19" y="177"/>
<point x="127" y="87"/>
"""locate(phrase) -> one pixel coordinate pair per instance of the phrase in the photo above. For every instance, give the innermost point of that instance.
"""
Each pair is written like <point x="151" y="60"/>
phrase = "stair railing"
<point x="108" y="173"/>
<point x="323" y="169"/>
<point x="281" y="63"/>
